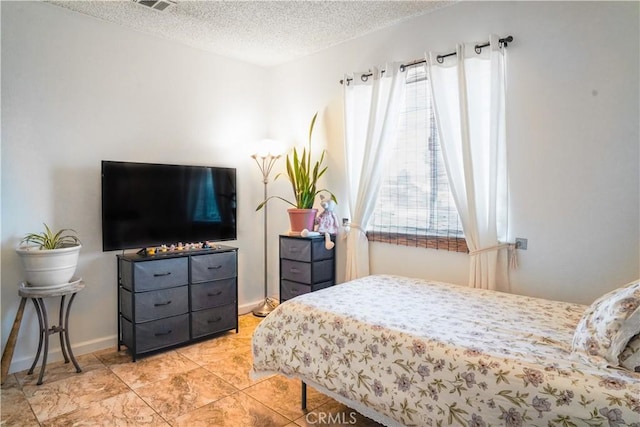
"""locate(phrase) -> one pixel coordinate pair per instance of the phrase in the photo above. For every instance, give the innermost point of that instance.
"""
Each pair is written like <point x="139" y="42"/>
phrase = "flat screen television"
<point x="147" y="205"/>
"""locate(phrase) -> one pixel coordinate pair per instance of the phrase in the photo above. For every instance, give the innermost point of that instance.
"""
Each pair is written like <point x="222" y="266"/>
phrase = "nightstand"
<point x="305" y="265"/>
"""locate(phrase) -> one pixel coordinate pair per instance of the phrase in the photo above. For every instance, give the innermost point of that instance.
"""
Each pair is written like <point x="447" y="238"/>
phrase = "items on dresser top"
<point x="171" y="299"/>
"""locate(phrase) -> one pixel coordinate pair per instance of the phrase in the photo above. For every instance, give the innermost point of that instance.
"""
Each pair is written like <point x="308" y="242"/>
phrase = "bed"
<point x="405" y="351"/>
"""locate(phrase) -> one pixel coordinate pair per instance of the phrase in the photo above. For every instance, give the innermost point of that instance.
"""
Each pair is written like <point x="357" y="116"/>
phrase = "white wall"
<point x="75" y="91"/>
<point x="572" y="118"/>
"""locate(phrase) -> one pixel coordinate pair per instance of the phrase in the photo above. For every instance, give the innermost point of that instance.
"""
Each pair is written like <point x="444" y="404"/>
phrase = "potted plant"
<point x="49" y="259"/>
<point x="303" y="176"/>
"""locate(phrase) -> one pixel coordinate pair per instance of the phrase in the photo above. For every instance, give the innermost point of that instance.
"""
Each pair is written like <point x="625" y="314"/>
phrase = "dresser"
<point x="176" y="297"/>
<point x="305" y="265"/>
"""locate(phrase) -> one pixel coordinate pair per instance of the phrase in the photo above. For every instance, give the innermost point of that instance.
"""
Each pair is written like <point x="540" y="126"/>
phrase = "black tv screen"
<point x="147" y="205"/>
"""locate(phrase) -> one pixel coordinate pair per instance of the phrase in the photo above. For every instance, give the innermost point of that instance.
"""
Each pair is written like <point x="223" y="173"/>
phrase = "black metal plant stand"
<point x="37" y="295"/>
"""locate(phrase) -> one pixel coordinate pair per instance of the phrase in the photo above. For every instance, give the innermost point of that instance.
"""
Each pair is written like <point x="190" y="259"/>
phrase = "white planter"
<point x="48" y="267"/>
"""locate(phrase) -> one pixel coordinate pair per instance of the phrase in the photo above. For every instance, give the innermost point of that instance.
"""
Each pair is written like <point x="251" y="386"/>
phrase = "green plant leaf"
<point x="50" y="240"/>
<point x="303" y="175"/>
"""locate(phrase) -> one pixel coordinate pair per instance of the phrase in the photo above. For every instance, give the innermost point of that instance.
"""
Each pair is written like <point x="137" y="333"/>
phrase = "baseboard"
<point x="55" y="353"/>
<point x="246" y="308"/>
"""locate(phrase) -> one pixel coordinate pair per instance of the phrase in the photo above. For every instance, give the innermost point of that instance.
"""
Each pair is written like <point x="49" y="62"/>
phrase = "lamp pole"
<point x="265" y="163"/>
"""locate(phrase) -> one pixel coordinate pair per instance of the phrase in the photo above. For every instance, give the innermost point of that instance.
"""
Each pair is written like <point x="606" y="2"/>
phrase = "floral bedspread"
<point x="423" y="353"/>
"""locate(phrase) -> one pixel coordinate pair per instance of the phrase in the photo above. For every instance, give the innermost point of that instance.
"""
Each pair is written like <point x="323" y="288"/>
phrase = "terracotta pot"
<point x="300" y="219"/>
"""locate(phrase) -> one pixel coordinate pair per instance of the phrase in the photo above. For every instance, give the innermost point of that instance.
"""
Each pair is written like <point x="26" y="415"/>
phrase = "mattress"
<point x="406" y="351"/>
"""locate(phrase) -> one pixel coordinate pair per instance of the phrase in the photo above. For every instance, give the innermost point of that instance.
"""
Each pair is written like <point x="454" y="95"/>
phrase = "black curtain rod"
<point x="478" y="48"/>
<point x="440" y="58"/>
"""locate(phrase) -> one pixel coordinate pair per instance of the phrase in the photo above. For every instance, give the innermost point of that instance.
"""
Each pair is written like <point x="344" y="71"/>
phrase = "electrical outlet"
<point x="521" y="243"/>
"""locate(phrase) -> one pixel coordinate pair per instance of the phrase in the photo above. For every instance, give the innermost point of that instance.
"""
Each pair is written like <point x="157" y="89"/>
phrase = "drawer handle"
<point x="215" y="268"/>
<point x="214" y="295"/>
<point x="159" y="334"/>
<point x="159" y="304"/>
<point x="161" y="274"/>
<point x="294" y="270"/>
<point x="215" y="320"/>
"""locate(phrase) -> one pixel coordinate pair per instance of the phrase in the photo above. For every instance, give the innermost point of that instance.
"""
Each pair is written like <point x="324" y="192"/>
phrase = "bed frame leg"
<point x="304" y="396"/>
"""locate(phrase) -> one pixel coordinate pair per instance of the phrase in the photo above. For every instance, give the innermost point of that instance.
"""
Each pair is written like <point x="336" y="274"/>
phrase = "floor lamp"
<point x="265" y="161"/>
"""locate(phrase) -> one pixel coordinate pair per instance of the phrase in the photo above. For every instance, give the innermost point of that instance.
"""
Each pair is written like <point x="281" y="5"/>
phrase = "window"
<point x="415" y="206"/>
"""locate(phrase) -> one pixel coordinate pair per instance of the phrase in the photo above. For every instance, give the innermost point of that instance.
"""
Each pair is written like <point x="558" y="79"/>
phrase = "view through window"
<point x="415" y="206"/>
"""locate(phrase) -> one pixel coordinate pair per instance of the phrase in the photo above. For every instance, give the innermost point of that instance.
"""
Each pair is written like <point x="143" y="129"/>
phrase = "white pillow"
<point x="607" y="326"/>
<point x="630" y="356"/>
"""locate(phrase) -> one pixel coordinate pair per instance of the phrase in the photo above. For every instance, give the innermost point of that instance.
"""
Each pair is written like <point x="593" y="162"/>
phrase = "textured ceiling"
<point x="266" y="33"/>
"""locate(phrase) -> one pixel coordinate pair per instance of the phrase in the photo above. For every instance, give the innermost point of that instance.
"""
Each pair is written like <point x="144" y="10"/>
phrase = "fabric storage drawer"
<point x="295" y="249"/>
<point x="319" y="271"/>
<point x="213" y="294"/>
<point x="205" y="268"/>
<point x="213" y="320"/>
<point x="157" y="274"/>
<point x="157" y="334"/>
<point x="322" y="271"/>
<point x="296" y="271"/>
<point x="322" y="285"/>
<point x="304" y="249"/>
<point x="155" y="304"/>
<point x="290" y="290"/>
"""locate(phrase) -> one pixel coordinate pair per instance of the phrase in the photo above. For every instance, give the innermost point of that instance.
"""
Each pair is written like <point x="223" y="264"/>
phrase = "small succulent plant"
<point x="47" y="239"/>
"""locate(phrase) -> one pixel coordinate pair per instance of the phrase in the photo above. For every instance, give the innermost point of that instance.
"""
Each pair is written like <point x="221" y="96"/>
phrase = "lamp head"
<point x="268" y="148"/>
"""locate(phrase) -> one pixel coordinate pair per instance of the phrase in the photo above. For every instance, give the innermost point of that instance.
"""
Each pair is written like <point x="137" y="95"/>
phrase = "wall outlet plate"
<point x="521" y="243"/>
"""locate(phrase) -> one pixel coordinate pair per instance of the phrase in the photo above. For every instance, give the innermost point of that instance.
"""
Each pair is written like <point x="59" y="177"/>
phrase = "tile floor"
<point x="204" y="384"/>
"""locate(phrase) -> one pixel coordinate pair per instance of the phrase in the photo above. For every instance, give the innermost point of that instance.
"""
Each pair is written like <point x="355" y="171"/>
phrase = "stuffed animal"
<point x="327" y="221"/>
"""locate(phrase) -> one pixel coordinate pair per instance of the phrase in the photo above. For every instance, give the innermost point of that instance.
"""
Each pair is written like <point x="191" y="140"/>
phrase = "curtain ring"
<point x="364" y="77"/>
<point x="478" y="49"/>
<point x="440" y="59"/>
<point x="402" y="68"/>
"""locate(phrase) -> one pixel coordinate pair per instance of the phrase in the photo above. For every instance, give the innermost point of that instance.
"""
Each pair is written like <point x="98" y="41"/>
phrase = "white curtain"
<point x="469" y="97"/>
<point x="371" y="107"/>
